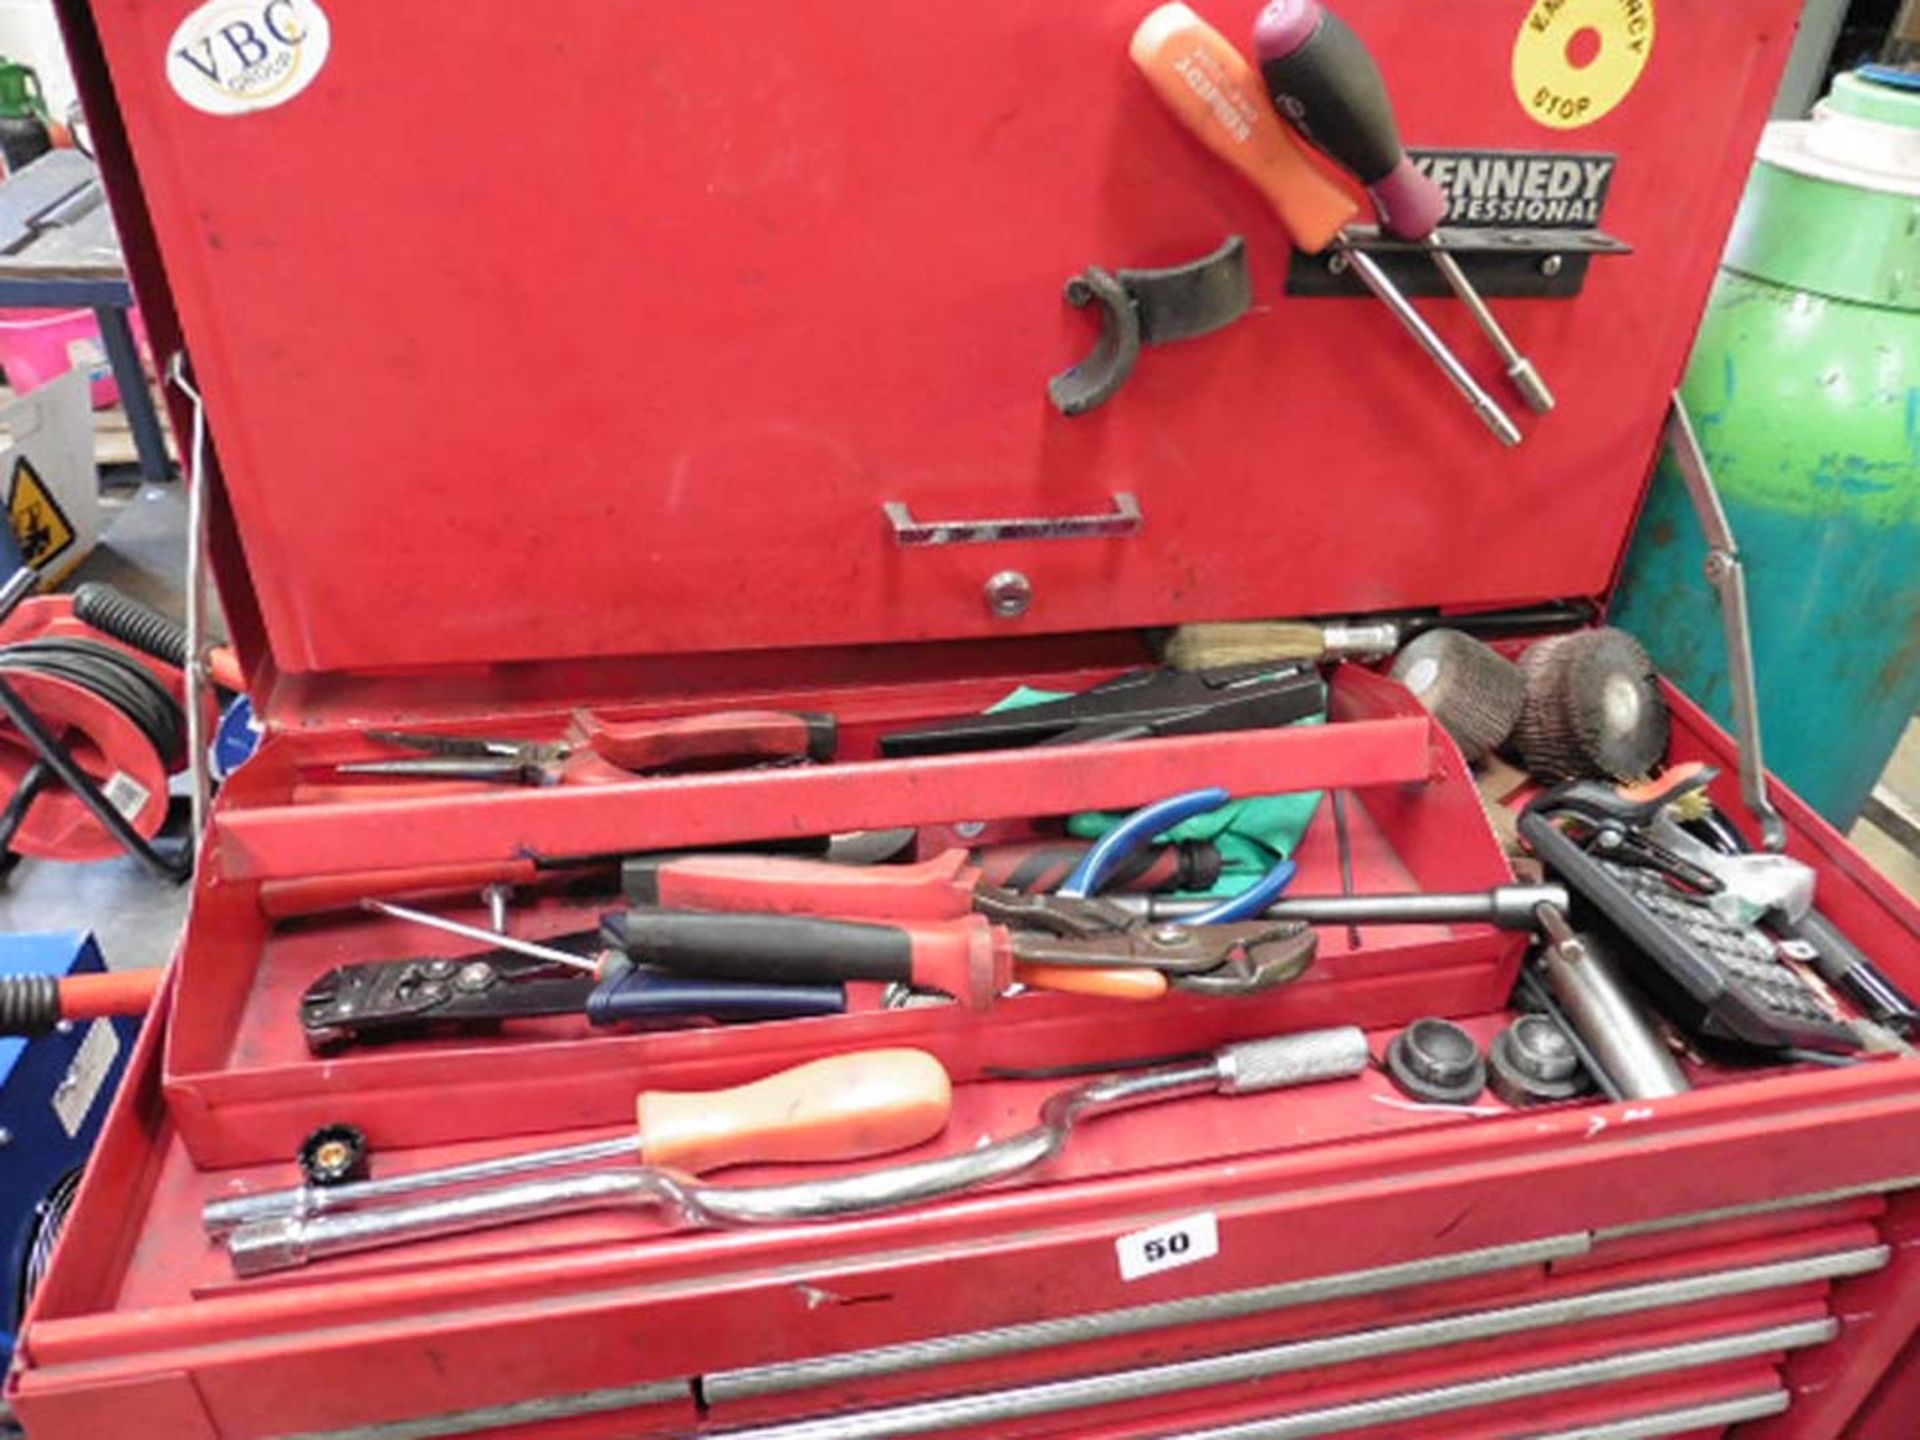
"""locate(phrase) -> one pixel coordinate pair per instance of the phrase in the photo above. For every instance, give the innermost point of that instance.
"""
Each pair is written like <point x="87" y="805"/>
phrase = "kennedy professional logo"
<point x="232" y="57"/>
<point x="1522" y="188"/>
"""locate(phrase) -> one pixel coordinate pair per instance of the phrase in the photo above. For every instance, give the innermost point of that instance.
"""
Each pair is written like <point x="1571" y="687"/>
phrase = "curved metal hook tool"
<point x="1149" y="307"/>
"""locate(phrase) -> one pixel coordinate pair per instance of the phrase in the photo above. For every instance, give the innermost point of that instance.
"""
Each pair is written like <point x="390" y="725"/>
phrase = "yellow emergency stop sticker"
<point x="1577" y="59"/>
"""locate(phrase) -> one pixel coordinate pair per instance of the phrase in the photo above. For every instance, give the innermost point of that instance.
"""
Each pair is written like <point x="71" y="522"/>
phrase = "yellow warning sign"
<point x="40" y="526"/>
<point x="1577" y="59"/>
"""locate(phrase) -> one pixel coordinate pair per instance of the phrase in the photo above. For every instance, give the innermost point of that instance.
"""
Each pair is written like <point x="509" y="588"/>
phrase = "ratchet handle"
<point x="1303" y="1059"/>
<point x="730" y="735"/>
<point x="846" y="1107"/>
<point x="1326" y="82"/>
<point x="1214" y="92"/>
<point x="644" y="995"/>
<point x="964" y="958"/>
<point x="937" y="889"/>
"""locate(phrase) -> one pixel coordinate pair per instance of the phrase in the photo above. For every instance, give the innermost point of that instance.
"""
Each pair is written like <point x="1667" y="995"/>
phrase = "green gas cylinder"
<point x="1805" y="389"/>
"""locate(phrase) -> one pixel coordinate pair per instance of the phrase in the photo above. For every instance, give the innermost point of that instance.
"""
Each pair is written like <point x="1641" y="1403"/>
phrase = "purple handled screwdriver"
<point x="1326" y="84"/>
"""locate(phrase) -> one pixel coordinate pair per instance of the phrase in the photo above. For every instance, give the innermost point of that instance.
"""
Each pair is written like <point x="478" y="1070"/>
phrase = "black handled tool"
<point x="1846" y="967"/>
<point x="1326" y="83"/>
<point x="401" y="999"/>
<point x="1144" y="703"/>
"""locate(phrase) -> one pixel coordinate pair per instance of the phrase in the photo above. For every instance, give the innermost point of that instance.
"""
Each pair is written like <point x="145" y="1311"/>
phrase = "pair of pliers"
<point x="774" y="918"/>
<point x="1255" y="967"/>
<point x="600" y="749"/>
<point x="1140" y="828"/>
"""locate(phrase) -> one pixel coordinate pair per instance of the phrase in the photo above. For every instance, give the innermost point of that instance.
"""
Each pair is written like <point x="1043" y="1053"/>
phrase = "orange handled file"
<point x="1218" y="96"/>
<point x="846" y="1107"/>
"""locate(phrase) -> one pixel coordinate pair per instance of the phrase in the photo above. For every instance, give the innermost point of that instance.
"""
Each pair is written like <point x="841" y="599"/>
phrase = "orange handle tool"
<point x="35" y="1004"/>
<point x="968" y="957"/>
<point x="223" y="667"/>
<point x="941" y="888"/>
<point x="846" y="1107"/>
<point x="1118" y="983"/>
<point x="1217" y="95"/>
<point x="1221" y="99"/>
<point x="727" y="735"/>
<point x="117" y="992"/>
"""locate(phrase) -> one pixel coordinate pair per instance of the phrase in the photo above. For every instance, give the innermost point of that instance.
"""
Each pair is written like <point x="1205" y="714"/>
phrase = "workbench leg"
<point x="128" y="373"/>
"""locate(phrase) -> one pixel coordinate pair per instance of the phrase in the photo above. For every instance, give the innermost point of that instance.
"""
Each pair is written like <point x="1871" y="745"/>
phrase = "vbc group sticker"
<point x="232" y="57"/>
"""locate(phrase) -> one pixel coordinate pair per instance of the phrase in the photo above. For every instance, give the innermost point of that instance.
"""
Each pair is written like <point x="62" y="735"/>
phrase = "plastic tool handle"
<point x="728" y="735"/>
<point x="1129" y="983"/>
<point x="847" y="1107"/>
<point x="937" y="889"/>
<point x="1215" y="93"/>
<point x="961" y="957"/>
<point x="1325" y="81"/>
<point x="1846" y="966"/>
<point x="646" y="995"/>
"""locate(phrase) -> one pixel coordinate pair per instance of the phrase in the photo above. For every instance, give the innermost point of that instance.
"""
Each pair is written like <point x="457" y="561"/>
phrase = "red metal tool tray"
<point x="575" y="354"/>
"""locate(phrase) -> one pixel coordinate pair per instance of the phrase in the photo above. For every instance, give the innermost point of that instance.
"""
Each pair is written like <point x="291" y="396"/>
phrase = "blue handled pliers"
<point x="1139" y="829"/>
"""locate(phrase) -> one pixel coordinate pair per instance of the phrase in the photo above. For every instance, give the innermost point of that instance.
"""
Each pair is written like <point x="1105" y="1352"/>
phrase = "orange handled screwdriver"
<point x="35" y="1004"/>
<point x="1214" y="91"/>
<point x="846" y="1107"/>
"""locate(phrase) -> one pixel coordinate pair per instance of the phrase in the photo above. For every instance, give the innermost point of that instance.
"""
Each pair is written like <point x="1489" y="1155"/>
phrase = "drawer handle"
<point x="1124" y="519"/>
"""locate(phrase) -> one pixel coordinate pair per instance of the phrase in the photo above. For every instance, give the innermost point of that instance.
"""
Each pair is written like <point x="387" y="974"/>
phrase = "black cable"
<point x="114" y="676"/>
<point x="29" y="1004"/>
<point x="131" y="621"/>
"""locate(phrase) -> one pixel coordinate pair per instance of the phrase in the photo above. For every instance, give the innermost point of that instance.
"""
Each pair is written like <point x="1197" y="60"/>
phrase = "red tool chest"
<point x="597" y="353"/>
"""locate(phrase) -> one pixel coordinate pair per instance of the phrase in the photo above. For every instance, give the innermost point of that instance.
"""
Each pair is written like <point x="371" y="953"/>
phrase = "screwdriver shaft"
<point x="1484" y="405"/>
<point x="1520" y="370"/>
<point x="485" y="937"/>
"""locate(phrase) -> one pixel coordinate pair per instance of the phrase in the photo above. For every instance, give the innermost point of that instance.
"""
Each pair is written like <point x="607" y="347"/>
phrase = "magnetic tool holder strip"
<point x="57" y="763"/>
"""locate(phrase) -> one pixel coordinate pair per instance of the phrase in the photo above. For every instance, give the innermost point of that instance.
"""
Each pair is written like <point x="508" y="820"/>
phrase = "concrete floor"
<point x="138" y="918"/>
<point x="1902" y="779"/>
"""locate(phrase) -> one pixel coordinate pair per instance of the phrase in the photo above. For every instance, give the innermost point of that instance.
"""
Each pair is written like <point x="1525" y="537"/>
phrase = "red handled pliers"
<point x="598" y="749"/>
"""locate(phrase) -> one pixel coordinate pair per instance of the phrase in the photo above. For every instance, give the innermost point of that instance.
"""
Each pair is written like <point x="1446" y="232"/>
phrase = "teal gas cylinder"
<point x="1805" y="390"/>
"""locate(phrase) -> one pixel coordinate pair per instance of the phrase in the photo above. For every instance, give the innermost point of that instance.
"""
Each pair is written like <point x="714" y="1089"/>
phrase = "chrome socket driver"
<point x="279" y="1244"/>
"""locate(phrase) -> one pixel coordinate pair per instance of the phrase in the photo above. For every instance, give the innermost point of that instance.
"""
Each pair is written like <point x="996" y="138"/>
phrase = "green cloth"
<point x="1253" y="835"/>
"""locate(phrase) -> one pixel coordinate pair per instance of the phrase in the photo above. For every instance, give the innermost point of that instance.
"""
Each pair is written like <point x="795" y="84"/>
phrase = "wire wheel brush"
<point x="1474" y="691"/>
<point x="1593" y="709"/>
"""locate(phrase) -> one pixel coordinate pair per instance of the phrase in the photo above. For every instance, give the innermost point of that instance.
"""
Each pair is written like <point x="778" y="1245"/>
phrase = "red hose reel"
<point x="104" y="740"/>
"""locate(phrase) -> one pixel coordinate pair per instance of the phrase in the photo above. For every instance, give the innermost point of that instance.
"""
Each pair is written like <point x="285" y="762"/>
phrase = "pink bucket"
<point x="37" y="345"/>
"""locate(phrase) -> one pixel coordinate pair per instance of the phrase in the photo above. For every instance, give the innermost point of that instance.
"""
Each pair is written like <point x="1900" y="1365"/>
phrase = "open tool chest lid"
<point x="676" y="342"/>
